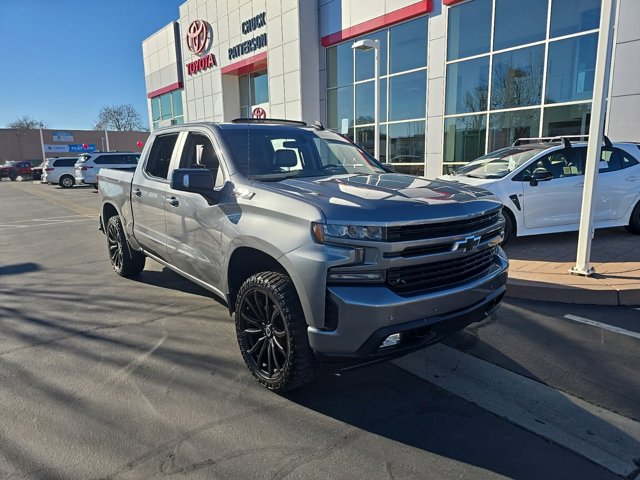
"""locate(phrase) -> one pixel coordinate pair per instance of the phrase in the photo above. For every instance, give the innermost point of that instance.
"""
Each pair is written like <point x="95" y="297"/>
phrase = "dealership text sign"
<point x="253" y="44"/>
<point x="200" y="64"/>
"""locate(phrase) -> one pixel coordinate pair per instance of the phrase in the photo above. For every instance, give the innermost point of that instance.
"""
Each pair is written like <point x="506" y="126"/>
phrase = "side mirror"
<point x="540" y="176"/>
<point x="195" y="180"/>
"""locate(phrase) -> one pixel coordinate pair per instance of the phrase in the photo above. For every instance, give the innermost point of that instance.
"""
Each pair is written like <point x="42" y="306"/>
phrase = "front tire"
<point x="509" y="226"/>
<point x="13" y="177"/>
<point x="66" y="181"/>
<point x="125" y="261"/>
<point x="95" y="186"/>
<point x="272" y="332"/>
<point x="634" y="221"/>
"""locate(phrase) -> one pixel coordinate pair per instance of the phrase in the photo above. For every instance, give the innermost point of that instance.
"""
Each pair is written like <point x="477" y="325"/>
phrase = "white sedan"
<point x="541" y="185"/>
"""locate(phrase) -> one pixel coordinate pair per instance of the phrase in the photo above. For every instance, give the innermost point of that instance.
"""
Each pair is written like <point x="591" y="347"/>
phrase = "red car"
<point x="13" y="170"/>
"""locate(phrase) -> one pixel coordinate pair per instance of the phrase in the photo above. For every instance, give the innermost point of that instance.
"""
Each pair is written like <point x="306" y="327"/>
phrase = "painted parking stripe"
<point x="603" y="326"/>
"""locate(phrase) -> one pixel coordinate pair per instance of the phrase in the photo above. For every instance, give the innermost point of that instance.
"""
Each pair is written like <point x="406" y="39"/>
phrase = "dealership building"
<point x="458" y="78"/>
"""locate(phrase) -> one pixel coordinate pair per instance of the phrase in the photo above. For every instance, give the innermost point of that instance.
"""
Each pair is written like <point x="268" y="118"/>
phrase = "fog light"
<point x="391" y="340"/>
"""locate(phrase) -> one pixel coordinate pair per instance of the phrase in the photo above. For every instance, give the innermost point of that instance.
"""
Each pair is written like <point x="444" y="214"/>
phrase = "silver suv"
<point x="89" y="164"/>
<point x="324" y="257"/>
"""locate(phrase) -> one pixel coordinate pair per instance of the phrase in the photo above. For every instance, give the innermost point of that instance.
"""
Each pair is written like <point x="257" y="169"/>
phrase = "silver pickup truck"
<point x="323" y="255"/>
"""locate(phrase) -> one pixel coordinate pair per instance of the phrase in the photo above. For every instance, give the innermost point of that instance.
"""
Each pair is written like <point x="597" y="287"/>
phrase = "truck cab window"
<point x="160" y="156"/>
<point x="199" y="153"/>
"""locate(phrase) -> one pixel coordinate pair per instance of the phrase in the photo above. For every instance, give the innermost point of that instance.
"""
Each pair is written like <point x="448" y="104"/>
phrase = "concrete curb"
<point x="604" y="437"/>
<point x="598" y="294"/>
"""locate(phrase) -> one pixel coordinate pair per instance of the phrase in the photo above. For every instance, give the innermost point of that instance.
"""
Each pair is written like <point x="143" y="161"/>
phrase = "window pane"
<point x="260" y="88"/>
<point x="464" y="138"/>
<point x="340" y="65"/>
<point x="408" y="45"/>
<point x="566" y="120"/>
<point x="408" y="96"/>
<point x="571" y="69"/>
<point x="244" y="90"/>
<point x="165" y="106"/>
<point x="365" y="59"/>
<point x="467" y="86"/>
<point x="155" y="108"/>
<point x="517" y="78"/>
<point x="573" y="16"/>
<point x="364" y="102"/>
<point x="177" y="103"/>
<point x="406" y="142"/>
<point x="519" y="22"/>
<point x="364" y="138"/>
<point x="507" y="127"/>
<point x="339" y="106"/>
<point x="469" y="29"/>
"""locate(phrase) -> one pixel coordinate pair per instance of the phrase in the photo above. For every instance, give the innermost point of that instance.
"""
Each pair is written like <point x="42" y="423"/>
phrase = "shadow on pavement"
<point x="19" y="268"/>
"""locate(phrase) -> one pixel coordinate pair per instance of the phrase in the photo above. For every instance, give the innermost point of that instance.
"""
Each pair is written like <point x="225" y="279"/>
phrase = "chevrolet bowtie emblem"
<point x="466" y="245"/>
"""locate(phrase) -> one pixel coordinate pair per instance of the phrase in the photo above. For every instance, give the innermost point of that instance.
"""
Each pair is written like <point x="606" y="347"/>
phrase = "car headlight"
<point x="324" y="231"/>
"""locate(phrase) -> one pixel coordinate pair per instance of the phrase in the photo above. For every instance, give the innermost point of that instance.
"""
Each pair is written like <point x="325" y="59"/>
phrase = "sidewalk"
<point x="540" y="268"/>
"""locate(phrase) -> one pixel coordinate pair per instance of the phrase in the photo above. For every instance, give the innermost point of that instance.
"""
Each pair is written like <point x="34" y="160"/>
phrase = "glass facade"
<point x="533" y="78"/>
<point x="254" y="90"/>
<point x="167" y="107"/>
<point x="403" y="93"/>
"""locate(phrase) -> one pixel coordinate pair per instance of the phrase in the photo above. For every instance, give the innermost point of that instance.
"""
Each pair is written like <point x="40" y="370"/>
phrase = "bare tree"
<point x="119" y="117"/>
<point x="26" y="123"/>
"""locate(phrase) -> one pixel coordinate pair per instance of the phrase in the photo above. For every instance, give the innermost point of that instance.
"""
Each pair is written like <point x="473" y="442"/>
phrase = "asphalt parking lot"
<point x="103" y="377"/>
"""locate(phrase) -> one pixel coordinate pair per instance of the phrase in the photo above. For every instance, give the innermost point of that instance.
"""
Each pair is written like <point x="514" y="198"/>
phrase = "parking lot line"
<point x="603" y="326"/>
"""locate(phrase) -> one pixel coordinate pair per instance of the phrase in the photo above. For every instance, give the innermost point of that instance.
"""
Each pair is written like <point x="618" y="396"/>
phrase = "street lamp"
<point x="366" y="45"/>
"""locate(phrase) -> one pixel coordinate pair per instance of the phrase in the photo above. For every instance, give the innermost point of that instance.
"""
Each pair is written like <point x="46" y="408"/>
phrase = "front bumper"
<point x="367" y="315"/>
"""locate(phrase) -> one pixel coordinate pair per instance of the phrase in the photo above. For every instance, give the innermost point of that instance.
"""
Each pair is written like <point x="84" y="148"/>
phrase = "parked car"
<point x="36" y="172"/>
<point x="541" y="184"/>
<point x="13" y="170"/>
<point x="88" y="165"/>
<point x="323" y="256"/>
<point x="60" y="171"/>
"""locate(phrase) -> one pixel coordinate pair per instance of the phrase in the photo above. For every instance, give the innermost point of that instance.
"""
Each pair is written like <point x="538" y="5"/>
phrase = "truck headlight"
<point x="323" y="231"/>
<point x="376" y="276"/>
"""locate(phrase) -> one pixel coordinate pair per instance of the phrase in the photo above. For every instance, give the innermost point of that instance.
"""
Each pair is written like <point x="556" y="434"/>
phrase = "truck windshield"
<point x="499" y="163"/>
<point x="274" y="153"/>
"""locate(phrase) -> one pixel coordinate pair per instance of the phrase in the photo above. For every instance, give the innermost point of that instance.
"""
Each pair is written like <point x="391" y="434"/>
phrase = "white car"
<point x="541" y="185"/>
<point x="89" y="164"/>
<point x="59" y="171"/>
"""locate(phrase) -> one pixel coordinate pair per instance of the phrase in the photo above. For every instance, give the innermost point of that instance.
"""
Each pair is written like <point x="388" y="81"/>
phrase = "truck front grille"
<point x="440" y="275"/>
<point x="445" y="229"/>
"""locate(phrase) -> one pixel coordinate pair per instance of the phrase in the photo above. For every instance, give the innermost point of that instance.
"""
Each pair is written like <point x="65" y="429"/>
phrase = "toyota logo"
<point x="259" y="112"/>
<point x="197" y="36"/>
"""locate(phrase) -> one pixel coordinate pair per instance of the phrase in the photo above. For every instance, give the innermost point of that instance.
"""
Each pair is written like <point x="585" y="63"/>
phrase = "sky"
<point x="62" y="60"/>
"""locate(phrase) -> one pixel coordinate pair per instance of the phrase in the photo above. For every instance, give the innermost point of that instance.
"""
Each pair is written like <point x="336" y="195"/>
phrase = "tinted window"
<point x="571" y="69"/>
<point x="519" y="22"/>
<point x="464" y="138"/>
<point x="406" y="142"/>
<point x="340" y="65"/>
<point x="340" y="106"/>
<point x="64" y="162"/>
<point x="364" y="102"/>
<point x="160" y="155"/>
<point x="611" y="159"/>
<point x="507" y="127"/>
<point x="467" y="86"/>
<point x="407" y="96"/>
<point x="365" y="58"/>
<point x="100" y="160"/>
<point x="517" y="78"/>
<point x="561" y="163"/>
<point x="199" y="153"/>
<point x="408" y="45"/>
<point x="566" y="120"/>
<point x="469" y="29"/>
<point x="573" y="16"/>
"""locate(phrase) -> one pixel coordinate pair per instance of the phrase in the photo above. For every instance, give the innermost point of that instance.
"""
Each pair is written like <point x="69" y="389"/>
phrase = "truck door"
<point x="148" y="195"/>
<point x="194" y="226"/>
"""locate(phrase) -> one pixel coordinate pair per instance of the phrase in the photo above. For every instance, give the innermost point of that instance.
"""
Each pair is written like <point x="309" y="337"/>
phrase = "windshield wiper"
<point x="275" y="177"/>
<point x="471" y="176"/>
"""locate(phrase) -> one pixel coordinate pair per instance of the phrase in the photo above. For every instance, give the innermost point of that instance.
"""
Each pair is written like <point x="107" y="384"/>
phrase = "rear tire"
<point x="509" y="226"/>
<point x="634" y="221"/>
<point x="272" y="332"/>
<point x="12" y="177"/>
<point x="95" y="186"/>
<point x="67" y="181"/>
<point x="125" y="261"/>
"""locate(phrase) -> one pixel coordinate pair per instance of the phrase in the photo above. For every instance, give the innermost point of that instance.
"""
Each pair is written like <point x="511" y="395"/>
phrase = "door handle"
<point x="632" y="178"/>
<point x="579" y="185"/>
<point x="137" y="192"/>
<point x="173" y="201"/>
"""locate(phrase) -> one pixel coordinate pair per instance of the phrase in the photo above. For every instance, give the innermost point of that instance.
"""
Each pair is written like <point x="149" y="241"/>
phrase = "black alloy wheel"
<point x="125" y="261"/>
<point x="634" y="221"/>
<point x="272" y="332"/>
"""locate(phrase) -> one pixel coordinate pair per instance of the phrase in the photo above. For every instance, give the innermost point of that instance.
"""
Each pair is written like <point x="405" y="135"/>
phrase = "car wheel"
<point x="509" y="226"/>
<point x="272" y="332"/>
<point x="12" y="177"/>
<point x="67" y="181"/>
<point x="95" y="186"/>
<point x="125" y="261"/>
<point x="634" y="221"/>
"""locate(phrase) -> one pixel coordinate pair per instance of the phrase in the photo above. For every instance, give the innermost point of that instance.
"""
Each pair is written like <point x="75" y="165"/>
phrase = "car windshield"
<point x="274" y="153"/>
<point x="498" y="164"/>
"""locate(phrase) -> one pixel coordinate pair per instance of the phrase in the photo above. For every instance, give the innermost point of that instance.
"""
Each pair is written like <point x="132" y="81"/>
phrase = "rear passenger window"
<point x="160" y="156"/>
<point x="66" y="162"/>
<point x="610" y="160"/>
<point x="100" y="160"/>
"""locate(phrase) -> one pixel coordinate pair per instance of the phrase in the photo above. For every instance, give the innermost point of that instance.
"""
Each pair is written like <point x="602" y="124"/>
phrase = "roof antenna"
<point x="318" y="125"/>
<point x="566" y="143"/>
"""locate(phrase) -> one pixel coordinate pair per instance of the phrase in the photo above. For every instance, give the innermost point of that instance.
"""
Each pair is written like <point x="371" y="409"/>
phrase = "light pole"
<point x="365" y="45"/>
<point x="44" y="156"/>
<point x="596" y="130"/>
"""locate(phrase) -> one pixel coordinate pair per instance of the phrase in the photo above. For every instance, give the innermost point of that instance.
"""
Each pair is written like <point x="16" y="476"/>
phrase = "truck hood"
<point x="387" y="199"/>
<point x="477" y="182"/>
